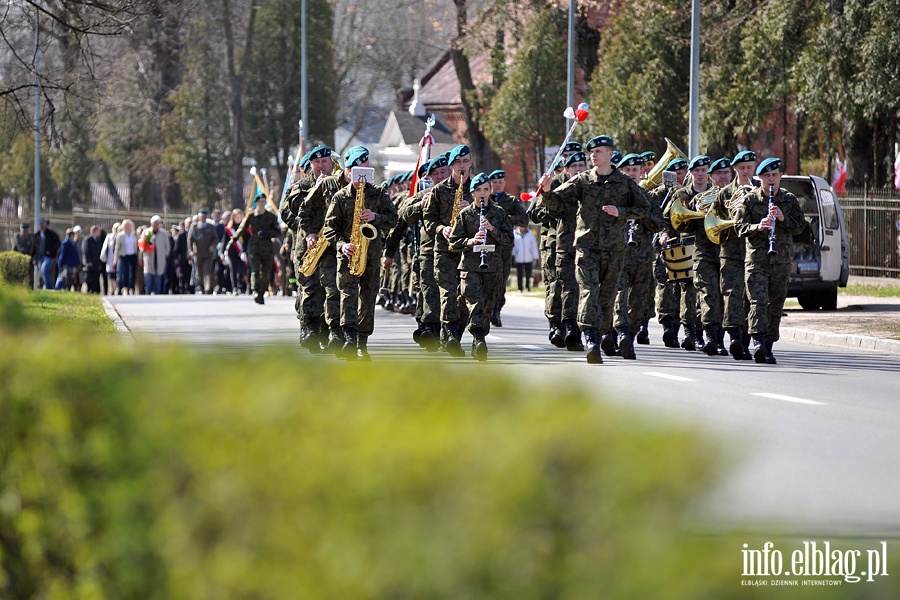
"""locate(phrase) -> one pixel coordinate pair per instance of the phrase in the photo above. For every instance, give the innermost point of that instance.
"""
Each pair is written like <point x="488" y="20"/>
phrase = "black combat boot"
<point x="557" y="337"/>
<point x="362" y="351"/>
<point x="721" y="350"/>
<point x="626" y="344"/>
<point x="573" y="337"/>
<point x="736" y="346"/>
<point x="608" y="343"/>
<point x="304" y="335"/>
<point x="260" y="297"/>
<point x="758" y="348"/>
<point x="670" y="333"/>
<point x="335" y="341"/>
<point x="417" y="334"/>
<point x="453" y="345"/>
<point x="495" y="318"/>
<point x="479" y="346"/>
<point x="711" y="346"/>
<point x="688" y="342"/>
<point x="388" y="303"/>
<point x="409" y="304"/>
<point x="348" y="351"/>
<point x="381" y="299"/>
<point x="313" y="336"/>
<point x="431" y="337"/>
<point x="592" y="347"/>
<point x="643" y="335"/>
<point x="746" y="338"/>
<point x="770" y="358"/>
<point x="699" y="340"/>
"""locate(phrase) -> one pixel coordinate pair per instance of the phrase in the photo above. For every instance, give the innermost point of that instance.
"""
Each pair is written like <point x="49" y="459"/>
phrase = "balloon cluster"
<point x="579" y="114"/>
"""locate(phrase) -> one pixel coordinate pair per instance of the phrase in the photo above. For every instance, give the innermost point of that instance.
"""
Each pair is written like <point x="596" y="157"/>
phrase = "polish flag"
<point x="839" y="178"/>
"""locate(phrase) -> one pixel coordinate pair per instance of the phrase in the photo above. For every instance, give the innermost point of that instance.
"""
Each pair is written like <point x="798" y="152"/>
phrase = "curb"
<point x="794" y="334"/>
<point x="855" y="342"/>
<point x="113" y="314"/>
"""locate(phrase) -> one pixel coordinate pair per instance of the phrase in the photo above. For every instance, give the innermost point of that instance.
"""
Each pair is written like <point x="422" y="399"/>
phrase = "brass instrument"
<point x="704" y="200"/>
<point x="314" y="254"/>
<point x="457" y="200"/>
<point x="654" y="177"/>
<point x="360" y="233"/>
<point x="681" y="214"/>
<point x="716" y="223"/>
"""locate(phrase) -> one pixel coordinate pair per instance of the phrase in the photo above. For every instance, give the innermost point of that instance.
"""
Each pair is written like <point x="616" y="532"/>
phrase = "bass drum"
<point x="679" y="259"/>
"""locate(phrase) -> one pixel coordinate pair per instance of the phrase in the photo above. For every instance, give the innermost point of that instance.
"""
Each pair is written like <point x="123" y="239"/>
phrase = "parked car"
<point x="821" y="251"/>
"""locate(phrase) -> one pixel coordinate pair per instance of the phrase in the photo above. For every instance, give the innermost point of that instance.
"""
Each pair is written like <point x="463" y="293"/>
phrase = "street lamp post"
<point x="694" y="123"/>
<point x="37" y="120"/>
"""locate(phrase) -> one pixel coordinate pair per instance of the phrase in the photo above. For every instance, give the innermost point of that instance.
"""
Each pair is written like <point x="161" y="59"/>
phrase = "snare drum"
<point x="679" y="259"/>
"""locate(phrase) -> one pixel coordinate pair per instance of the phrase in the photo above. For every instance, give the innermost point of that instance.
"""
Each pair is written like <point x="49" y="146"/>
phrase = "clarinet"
<point x="632" y="229"/>
<point x="772" y="250"/>
<point x="484" y="264"/>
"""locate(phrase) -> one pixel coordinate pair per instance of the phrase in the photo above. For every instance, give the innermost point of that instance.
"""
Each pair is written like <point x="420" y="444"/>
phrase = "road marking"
<point x="667" y="376"/>
<point x="789" y="399"/>
<point x="530" y="347"/>
<point x="491" y="336"/>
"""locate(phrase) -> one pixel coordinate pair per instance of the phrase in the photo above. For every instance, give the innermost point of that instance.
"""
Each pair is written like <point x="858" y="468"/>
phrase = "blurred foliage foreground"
<point x="124" y="475"/>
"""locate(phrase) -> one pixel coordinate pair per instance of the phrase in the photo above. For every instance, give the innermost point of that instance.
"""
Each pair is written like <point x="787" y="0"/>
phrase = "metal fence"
<point x="872" y="219"/>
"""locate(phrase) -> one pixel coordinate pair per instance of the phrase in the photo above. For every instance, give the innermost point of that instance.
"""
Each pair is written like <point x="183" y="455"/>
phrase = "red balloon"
<point x="581" y="115"/>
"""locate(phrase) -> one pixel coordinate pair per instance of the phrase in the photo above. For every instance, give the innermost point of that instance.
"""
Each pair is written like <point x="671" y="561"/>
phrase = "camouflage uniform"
<point x="481" y="287"/>
<point x="706" y="267"/>
<point x="358" y="293"/>
<point x="677" y="300"/>
<point x="311" y="219"/>
<point x="767" y="276"/>
<point x="553" y="298"/>
<point x="437" y="212"/>
<point x="515" y="210"/>
<point x="260" y="251"/>
<point x="637" y="287"/>
<point x="428" y="306"/>
<point x="732" y="252"/>
<point x="599" y="240"/>
<point x="310" y="301"/>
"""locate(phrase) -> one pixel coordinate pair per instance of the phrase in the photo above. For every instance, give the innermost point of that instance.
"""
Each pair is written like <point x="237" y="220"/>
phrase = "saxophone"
<point x="314" y="254"/>
<point x="457" y="200"/>
<point x="360" y="233"/>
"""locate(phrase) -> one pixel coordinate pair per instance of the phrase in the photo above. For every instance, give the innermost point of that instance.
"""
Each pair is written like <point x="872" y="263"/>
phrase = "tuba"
<point x="654" y="177"/>
<point x="360" y="233"/>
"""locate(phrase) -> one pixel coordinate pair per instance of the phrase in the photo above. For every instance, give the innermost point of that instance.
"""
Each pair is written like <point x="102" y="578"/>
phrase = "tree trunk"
<point x="167" y="47"/>
<point x="236" y="73"/>
<point x="485" y="157"/>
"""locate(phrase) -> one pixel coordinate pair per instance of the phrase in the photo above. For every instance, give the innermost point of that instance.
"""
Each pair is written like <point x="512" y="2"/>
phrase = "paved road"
<point x="814" y="438"/>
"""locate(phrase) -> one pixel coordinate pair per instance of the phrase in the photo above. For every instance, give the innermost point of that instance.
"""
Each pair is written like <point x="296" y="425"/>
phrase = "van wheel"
<point x="810" y="300"/>
<point x="829" y="299"/>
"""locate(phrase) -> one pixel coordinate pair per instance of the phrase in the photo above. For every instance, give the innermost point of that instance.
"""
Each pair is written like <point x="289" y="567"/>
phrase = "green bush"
<point x="164" y="472"/>
<point x="14" y="267"/>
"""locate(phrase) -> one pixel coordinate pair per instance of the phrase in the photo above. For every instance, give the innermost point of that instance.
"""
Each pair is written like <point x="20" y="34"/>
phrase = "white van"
<point x="821" y="251"/>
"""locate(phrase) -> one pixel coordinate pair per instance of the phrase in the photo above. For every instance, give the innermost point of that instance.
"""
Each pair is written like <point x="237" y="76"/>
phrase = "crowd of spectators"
<point x="186" y="258"/>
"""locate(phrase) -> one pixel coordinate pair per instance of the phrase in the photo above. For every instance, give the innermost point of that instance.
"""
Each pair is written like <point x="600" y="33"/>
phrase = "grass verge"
<point x="881" y="291"/>
<point x="81" y="312"/>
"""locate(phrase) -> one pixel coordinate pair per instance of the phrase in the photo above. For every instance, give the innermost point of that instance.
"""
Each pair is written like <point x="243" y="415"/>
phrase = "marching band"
<point x="706" y="243"/>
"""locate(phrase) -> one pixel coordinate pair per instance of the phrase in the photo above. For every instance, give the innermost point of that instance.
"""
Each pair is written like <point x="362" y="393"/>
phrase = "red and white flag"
<point x="839" y="178"/>
<point x="897" y="172"/>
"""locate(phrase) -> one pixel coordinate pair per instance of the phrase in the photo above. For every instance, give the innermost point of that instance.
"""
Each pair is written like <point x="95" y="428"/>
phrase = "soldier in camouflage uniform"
<point x="358" y="292"/>
<point x="310" y="302"/>
<point x="768" y="274"/>
<point x="428" y="306"/>
<point x="634" y="300"/>
<point x="263" y="228"/>
<point x="706" y="255"/>
<point x="481" y="281"/>
<point x="604" y="200"/>
<point x="517" y="214"/>
<point x="439" y="204"/>
<point x="557" y="311"/>
<point x="720" y="177"/>
<point x="732" y="254"/>
<point x="312" y="213"/>
<point x="676" y="300"/>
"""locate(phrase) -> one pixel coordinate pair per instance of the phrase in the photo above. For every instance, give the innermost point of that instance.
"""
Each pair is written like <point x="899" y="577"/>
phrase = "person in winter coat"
<point x="155" y="245"/>
<point x="525" y="252"/>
